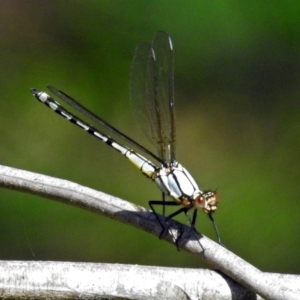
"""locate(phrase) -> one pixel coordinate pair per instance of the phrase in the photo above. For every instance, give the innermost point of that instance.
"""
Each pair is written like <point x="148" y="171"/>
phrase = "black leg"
<point x="216" y="229"/>
<point x="194" y="218"/>
<point x="164" y="203"/>
<point x="177" y="212"/>
<point x="171" y="203"/>
<point x="164" y="199"/>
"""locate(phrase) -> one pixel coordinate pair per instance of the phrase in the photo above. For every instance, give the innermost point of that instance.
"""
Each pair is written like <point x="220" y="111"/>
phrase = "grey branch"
<point x="69" y="280"/>
<point x="268" y="286"/>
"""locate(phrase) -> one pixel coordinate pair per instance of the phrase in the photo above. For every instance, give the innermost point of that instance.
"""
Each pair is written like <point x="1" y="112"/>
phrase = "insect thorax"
<point x="175" y="181"/>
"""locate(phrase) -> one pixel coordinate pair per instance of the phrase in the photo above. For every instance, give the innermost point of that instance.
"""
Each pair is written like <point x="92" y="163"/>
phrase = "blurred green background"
<point x="237" y="89"/>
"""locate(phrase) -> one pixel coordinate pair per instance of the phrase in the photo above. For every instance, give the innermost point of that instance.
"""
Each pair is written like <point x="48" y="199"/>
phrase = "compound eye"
<point x="200" y="201"/>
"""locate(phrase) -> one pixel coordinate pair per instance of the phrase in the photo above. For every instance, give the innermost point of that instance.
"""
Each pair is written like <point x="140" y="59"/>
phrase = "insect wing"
<point x="152" y="93"/>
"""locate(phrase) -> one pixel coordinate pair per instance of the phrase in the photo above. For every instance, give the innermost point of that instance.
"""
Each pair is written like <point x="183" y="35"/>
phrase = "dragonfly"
<point x="152" y="97"/>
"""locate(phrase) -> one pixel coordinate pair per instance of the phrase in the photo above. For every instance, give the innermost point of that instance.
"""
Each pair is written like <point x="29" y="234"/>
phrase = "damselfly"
<point x="152" y="95"/>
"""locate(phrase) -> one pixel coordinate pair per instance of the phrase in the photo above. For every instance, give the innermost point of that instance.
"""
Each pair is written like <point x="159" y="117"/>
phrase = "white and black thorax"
<point x="175" y="181"/>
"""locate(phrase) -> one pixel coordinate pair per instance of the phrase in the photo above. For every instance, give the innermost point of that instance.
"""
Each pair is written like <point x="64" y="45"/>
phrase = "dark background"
<point x="237" y="88"/>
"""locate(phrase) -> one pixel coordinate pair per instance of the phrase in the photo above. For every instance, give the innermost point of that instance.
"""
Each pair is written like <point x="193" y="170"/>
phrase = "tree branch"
<point x="266" y="285"/>
<point x="69" y="280"/>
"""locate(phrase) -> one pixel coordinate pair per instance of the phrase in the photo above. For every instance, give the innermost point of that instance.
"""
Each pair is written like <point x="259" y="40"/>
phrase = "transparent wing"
<point x="152" y="93"/>
<point x="72" y="102"/>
